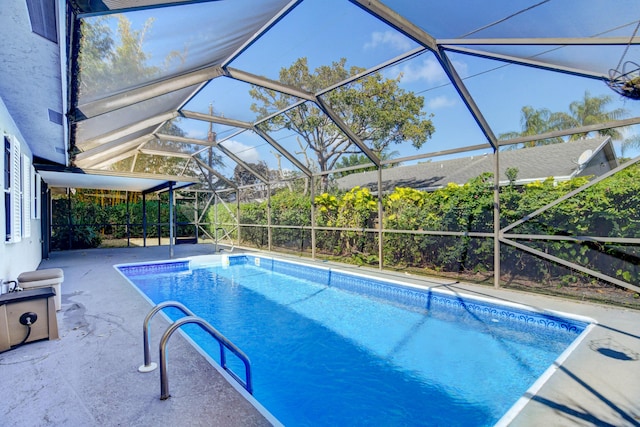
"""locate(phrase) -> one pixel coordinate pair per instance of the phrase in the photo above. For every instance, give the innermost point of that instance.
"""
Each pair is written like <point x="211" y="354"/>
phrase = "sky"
<point x="327" y="30"/>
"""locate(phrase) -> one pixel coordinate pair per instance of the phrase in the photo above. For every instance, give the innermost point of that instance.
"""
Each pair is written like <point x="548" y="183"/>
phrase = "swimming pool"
<point x="332" y="348"/>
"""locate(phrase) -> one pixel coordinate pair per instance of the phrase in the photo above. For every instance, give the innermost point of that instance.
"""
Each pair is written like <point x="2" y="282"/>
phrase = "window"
<point x="42" y="14"/>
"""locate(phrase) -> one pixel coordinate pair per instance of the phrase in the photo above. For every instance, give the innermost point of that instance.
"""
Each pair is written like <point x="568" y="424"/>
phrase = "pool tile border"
<point x="154" y="268"/>
<point x="427" y="299"/>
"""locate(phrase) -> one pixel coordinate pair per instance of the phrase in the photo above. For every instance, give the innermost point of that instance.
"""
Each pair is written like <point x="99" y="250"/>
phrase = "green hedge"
<point x="87" y="223"/>
<point x="608" y="209"/>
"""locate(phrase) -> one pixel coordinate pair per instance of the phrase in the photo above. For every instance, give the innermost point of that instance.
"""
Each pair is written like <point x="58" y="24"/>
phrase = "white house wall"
<point x="31" y="81"/>
<point x="24" y="255"/>
<point x="31" y="113"/>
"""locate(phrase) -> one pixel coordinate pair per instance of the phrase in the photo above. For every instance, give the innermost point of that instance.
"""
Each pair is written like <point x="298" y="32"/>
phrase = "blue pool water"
<point x="323" y="354"/>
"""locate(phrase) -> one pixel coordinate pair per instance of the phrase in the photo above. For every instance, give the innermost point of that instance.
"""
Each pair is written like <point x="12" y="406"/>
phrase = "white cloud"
<point x="388" y="38"/>
<point x="196" y="134"/>
<point x="441" y="102"/>
<point x="461" y="68"/>
<point x="428" y="70"/>
<point x="244" y="152"/>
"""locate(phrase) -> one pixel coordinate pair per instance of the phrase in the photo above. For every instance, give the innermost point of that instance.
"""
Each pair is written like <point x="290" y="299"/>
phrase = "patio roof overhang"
<point x="70" y="177"/>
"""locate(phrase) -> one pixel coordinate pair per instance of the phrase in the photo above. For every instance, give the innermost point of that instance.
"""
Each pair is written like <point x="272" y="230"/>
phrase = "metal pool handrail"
<point x="148" y="364"/>
<point x="222" y="341"/>
<point x="190" y="318"/>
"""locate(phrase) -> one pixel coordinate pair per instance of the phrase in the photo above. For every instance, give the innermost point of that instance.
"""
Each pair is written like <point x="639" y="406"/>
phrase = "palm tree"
<point x="361" y="159"/>
<point x="631" y="142"/>
<point x="534" y="122"/>
<point x="589" y="111"/>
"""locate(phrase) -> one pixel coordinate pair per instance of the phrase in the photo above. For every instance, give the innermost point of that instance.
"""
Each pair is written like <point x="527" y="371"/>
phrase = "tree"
<point x="534" y="122"/>
<point x="353" y="160"/>
<point x="166" y="164"/>
<point x="630" y="143"/>
<point x="250" y="183"/>
<point x="377" y="110"/>
<point x="112" y="60"/>
<point x="95" y="54"/>
<point x="360" y="159"/>
<point x="107" y="65"/>
<point x="589" y="111"/>
<point x="243" y="177"/>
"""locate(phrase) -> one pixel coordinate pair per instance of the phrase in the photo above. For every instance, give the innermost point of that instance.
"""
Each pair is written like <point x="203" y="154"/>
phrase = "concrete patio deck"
<point x="89" y="376"/>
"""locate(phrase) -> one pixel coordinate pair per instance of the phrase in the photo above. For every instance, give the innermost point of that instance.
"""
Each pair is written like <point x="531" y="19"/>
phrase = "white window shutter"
<point x="26" y="196"/>
<point x="16" y="211"/>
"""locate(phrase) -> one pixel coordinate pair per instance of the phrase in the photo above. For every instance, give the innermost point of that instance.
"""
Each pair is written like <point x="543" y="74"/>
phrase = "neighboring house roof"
<point x="593" y="156"/>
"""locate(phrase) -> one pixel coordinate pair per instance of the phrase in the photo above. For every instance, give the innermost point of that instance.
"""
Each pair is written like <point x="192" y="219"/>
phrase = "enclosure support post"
<point x="496" y="218"/>
<point x="144" y="220"/>
<point x="195" y="215"/>
<point x="159" y="226"/>
<point x="269" y="234"/>
<point x="380" y="235"/>
<point x="171" y="220"/>
<point x="312" y="193"/>
<point x="238" y="215"/>
<point x="69" y="220"/>
<point x="128" y="219"/>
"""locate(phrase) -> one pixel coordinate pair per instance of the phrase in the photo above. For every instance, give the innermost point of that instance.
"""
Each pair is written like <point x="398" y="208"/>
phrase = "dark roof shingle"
<point x="534" y="163"/>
